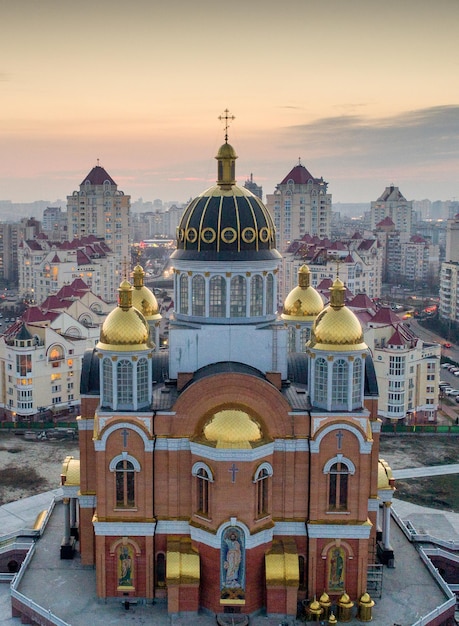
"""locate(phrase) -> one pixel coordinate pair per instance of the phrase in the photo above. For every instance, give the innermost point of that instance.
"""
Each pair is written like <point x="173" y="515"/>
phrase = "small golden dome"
<point x="226" y="151"/>
<point x="70" y="474"/>
<point x="232" y="428"/>
<point x="125" y="328"/>
<point x="325" y="599"/>
<point x="337" y="327"/>
<point x="345" y="601"/>
<point x="315" y="605"/>
<point x="385" y="476"/>
<point x="303" y="301"/>
<point x="143" y="298"/>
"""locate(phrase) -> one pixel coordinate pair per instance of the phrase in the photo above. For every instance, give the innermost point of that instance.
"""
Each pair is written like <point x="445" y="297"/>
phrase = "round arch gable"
<point x="364" y="445"/>
<point x="257" y="397"/>
<point x="101" y="443"/>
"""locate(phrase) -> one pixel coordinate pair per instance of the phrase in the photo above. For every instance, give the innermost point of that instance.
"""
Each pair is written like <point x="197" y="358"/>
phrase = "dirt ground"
<point x="30" y="467"/>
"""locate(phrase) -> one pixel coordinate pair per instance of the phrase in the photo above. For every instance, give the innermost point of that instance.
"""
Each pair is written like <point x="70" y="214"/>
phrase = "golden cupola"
<point x="337" y="328"/>
<point x="232" y="428"/>
<point x="125" y="328"/>
<point x="303" y="303"/>
<point x="143" y="298"/>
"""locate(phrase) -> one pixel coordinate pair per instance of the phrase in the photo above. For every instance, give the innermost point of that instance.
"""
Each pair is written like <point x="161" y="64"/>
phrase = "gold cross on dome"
<point x="227" y="118"/>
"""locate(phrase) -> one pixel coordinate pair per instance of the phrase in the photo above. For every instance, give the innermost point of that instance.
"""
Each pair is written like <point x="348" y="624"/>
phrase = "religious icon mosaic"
<point x="232" y="568"/>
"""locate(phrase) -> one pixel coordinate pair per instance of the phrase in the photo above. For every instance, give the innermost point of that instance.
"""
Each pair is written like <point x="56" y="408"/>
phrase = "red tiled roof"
<point x="385" y="315"/>
<point x="97" y="176"/>
<point x="82" y="258"/>
<point x="387" y="221"/>
<point x="362" y="301"/>
<point x="300" y="176"/>
<point x="79" y="285"/>
<point x="396" y="339"/>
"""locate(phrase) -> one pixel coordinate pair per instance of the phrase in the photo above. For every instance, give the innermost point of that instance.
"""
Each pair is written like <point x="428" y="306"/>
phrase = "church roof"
<point x="300" y="176"/>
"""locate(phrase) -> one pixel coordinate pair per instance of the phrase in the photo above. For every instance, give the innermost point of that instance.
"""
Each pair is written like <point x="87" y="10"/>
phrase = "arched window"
<point x="238" y="296"/>
<point x="124" y="382"/>
<point x="338" y="483"/>
<point x="142" y="381"/>
<point x="321" y="381"/>
<point x="357" y="383"/>
<point x="184" y="294"/>
<point x="302" y="565"/>
<point x="261" y="477"/>
<point x="107" y="375"/>
<point x="256" y="296"/>
<point x="217" y="296"/>
<point x="125" y="484"/>
<point x="198" y="296"/>
<point x="203" y="491"/>
<point x="340" y="383"/>
<point x="269" y="294"/>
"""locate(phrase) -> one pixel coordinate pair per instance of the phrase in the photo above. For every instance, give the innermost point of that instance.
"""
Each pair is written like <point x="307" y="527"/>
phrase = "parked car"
<point x="447" y="344"/>
<point x="445" y="366"/>
<point x="453" y="392"/>
<point x="446" y="390"/>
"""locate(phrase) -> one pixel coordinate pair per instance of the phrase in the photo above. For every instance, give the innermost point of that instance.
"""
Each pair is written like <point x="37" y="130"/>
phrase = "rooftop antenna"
<point x="299" y="160"/>
<point x="98" y="162"/>
<point x="125" y="268"/>
<point x="226" y="118"/>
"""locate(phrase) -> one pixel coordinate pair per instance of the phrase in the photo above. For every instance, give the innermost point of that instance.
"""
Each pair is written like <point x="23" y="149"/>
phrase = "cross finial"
<point x="98" y="162"/>
<point x="226" y="118"/>
<point x="125" y="268"/>
<point x="299" y="160"/>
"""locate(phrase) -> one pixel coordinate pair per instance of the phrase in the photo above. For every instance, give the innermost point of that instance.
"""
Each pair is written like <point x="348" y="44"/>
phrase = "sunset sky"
<point x="365" y="92"/>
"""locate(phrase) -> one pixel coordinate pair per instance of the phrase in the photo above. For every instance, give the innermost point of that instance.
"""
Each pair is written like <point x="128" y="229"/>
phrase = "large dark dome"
<point x="226" y="221"/>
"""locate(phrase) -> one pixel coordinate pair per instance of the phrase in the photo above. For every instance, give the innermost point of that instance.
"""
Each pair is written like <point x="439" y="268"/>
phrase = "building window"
<point x="142" y="381"/>
<point x="125" y="484"/>
<point x="23" y="364"/>
<point x="256" y="296"/>
<point x="217" y="296"/>
<point x="124" y="380"/>
<point x="321" y="380"/>
<point x="198" y="296"/>
<point x="397" y="366"/>
<point x="357" y="383"/>
<point x="184" y="294"/>
<point x="203" y="492"/>
<point x="161" y="570"/>
<point x="262" y="493"/>
<point x="238" y="296"/>
<point x="338" y="482"/>
<point x="269" y="294"/>
<point x="107" y="375"/>
<point x="291" y="338"/>
<point x="340" y="382"/>
<point x="305" y="335"/>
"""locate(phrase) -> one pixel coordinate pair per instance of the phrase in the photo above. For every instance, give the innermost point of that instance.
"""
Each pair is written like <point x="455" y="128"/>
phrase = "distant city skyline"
<point x="362" y="92"/>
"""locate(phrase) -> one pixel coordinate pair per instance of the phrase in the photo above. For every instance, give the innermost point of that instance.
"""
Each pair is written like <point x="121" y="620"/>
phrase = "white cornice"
<point x="126" y="529"/>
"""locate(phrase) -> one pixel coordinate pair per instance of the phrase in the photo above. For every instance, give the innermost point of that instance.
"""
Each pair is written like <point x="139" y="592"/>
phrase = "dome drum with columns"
<point x="239" y="470"/>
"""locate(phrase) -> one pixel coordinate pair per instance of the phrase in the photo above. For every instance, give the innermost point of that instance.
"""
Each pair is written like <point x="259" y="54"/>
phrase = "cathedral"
<point x="232" y="473"/>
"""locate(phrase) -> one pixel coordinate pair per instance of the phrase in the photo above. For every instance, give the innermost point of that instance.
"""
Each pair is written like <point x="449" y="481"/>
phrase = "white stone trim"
<point x="124" y="456"/>
<point x="339" y="531"/>
<point x="364" y="446"/>
<point x="87" y="502"/>
<point x="172" y="527"/>
<point x="376" y="426"/>
<point x="339" y="458"/>
<point x="200" y="465"/>
<point x="100" y="444"/>
<point x="385" y="495"/>
<point x="231" y="454"/>
<point x="373" y="504"/>
<point x="70" y="492"/>
<point x="104" y="421"/>
<point x="291" y="445"/>
<point x="84" y="424"/>
<point x="125" y="529"/>
<point x="264" y="466"/>
<point x="291" y="529"/>
<point x="172" y="444"/>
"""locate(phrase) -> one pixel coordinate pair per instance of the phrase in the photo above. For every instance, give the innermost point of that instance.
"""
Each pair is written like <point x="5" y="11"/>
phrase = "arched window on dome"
<point x="357" y="383"/>
<point x="340" y="384"/>
<point x="321" y="382"/>
<point x="269" y="294"/>
<point x="238" y="297"/>
<point x="107" y="386"/>
<point x="124" y="381"/>
<point x="217" y="296"/>
<point x="256" y="296"/>
<point x="184" y="294"/>
<point x="305" y="335"/>
<point x="160" y="569"/>
<point x="204" y="478"/>
<point x="142" y="382"/>
<point x="198" y="296"/>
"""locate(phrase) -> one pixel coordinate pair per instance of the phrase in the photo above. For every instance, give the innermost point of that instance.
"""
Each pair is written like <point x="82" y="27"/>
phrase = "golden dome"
<point x="125" y="328"/>
<point x="226" y="151"/>
<point x="337" y="327"/>
<point x="143" y="298"/>
<point x="232" y="428"/>
<point x="385" y="476"/>
<point x="70" y="474"/>
<point x="303" y="302"/>
<point x="315" y="605"/>
<point x="366" y="600"/>
<point x="325" y="599"/>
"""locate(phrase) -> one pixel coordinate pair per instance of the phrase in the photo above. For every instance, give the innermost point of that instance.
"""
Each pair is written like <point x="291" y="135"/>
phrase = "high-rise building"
<point x="99" y="208"/>
<point x="225" y="474"/>
<point x="392" y="203"/>
<point x="299" y="205"/>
